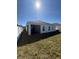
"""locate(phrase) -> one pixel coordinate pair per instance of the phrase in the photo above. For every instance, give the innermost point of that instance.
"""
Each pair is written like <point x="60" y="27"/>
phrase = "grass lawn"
<point x="48" y="48"/>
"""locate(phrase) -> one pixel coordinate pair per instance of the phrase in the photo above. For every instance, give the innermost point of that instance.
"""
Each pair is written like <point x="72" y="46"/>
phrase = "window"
<point x="49" y="28"/>
<point x="43" y="28"/>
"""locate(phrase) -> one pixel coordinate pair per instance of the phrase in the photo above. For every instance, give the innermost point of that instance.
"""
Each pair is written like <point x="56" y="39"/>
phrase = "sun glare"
<point x="38" y="4"/>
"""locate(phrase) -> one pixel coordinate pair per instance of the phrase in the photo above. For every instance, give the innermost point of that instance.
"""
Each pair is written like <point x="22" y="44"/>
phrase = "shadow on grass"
<point x="26" y="39"/>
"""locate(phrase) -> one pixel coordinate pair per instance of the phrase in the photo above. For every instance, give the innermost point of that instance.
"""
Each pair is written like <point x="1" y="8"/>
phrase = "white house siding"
<point x="46" y="25"/>
<point x="47" y="28"/>
<point x="20" y="29"/>
<point x="29" y="29"/>
<point x="57" y="27"/>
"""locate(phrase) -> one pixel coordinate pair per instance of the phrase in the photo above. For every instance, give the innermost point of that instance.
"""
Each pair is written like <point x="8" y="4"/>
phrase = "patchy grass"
<point x="49" y="48"/>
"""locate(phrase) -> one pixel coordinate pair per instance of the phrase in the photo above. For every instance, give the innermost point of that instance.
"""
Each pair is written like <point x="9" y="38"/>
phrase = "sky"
<point x="44" y="10"/>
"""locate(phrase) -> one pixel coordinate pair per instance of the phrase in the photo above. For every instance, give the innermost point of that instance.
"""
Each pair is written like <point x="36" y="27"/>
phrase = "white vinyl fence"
<point x="19" y="30"/>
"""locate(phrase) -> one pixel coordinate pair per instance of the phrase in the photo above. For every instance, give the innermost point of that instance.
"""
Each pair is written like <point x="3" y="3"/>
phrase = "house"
<point x="39" y="27"/>
<point x="20" y="29"/>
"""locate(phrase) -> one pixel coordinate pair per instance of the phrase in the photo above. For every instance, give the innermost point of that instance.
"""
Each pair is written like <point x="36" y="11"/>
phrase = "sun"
<point x="37" y="4"/>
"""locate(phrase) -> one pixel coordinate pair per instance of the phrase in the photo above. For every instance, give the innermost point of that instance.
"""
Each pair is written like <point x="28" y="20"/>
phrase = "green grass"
<point x="49" y="48"/>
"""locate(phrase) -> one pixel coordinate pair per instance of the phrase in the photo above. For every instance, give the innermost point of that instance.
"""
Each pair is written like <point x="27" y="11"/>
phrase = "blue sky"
<point x="50" y="11"/>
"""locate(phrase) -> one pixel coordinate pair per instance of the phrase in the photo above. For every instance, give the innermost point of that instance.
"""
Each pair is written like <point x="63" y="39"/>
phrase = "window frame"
<point x="43" y="28"/>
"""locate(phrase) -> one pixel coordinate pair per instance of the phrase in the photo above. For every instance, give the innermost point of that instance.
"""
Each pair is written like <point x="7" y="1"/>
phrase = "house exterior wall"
<point x="42" y="24"/>
<point x="29" y="29"/>
<point x="46" y="28"/>
<point x="57" y="27"/>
